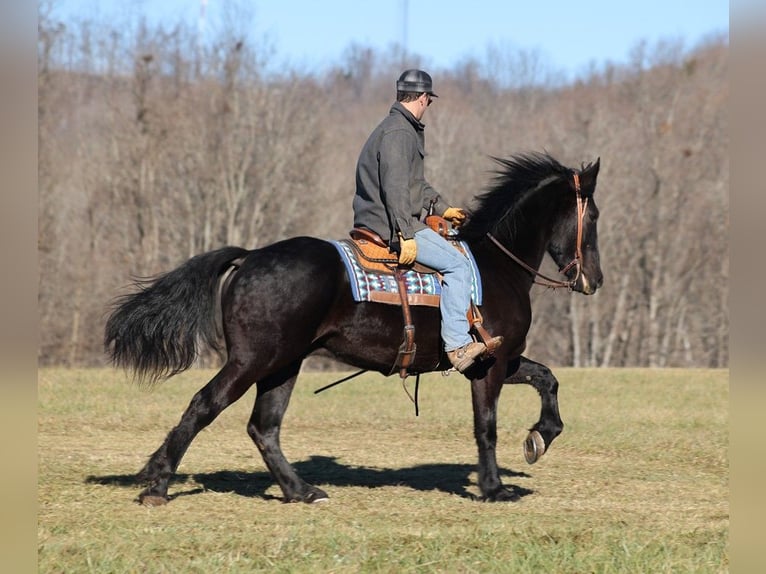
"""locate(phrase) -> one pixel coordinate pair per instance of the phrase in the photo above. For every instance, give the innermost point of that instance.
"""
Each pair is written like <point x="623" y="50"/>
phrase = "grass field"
<point x="638" y="481"/>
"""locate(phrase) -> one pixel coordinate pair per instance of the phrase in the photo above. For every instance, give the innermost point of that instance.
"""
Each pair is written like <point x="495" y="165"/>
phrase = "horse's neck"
<point x="531" y="235"/>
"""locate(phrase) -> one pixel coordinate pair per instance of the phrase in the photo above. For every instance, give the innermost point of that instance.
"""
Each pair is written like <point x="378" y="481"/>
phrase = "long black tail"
<point x="155" y="331"/>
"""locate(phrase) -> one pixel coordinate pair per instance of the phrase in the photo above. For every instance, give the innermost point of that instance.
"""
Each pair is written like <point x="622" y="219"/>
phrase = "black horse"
<point x="279" y="303"/>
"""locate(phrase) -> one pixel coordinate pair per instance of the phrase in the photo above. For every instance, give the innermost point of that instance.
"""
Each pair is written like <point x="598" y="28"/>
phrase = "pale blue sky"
<point x="310" y="35"/>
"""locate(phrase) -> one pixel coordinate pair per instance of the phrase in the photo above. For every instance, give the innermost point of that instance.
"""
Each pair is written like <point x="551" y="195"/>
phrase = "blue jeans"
<point x="435" y="251"/>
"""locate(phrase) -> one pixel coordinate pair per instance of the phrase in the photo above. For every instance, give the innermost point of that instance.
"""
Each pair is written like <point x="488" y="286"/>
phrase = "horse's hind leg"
<point x="224" y="389"/>
<point x="264" y="425"/>
<point x="549" y="426"/>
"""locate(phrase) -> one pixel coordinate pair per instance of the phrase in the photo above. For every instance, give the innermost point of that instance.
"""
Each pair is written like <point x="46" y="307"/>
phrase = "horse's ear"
<point x="588" y="176"/>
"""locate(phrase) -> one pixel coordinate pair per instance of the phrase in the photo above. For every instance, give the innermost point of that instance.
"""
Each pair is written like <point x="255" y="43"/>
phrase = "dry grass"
<point x="638" y="481"/>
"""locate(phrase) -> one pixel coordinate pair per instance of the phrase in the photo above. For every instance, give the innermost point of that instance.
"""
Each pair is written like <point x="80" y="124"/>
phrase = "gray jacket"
<point x="391" y="190"/>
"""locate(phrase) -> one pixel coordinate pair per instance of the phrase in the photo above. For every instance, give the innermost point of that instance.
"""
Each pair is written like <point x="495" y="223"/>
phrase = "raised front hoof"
<point x="501" y="494"/>
<point x="534" y="447"/>
<point x="313" y="496"/>
<point x="147" y="499"/>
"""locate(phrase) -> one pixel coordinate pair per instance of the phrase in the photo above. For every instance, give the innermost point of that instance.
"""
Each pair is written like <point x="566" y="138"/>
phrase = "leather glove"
<point x="455" y="215"/>
<point x="408" y="250"/>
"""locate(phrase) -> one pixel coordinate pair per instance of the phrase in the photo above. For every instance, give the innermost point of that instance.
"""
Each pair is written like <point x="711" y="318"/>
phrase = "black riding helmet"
<point x="416" y="81"/>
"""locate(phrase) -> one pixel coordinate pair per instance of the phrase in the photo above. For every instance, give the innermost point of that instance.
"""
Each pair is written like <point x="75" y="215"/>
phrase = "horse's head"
<point x="574" y="243"/>
<point x="538" y="205"/>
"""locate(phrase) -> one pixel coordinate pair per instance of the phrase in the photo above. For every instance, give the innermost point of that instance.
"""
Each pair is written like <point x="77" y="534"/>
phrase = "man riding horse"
<point x="392" y="193"/>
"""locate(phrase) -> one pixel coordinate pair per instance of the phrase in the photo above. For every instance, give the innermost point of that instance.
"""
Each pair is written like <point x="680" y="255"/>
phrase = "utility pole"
<point x="200" y="37"/>
<point x="405" y="24"/>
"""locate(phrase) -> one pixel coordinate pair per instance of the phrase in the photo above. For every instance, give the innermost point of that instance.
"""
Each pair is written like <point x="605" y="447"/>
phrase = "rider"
<point x="391" y="193"/>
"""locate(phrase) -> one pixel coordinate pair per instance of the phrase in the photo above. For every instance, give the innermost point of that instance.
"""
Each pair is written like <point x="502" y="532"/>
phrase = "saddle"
<point x="374" y="254"/>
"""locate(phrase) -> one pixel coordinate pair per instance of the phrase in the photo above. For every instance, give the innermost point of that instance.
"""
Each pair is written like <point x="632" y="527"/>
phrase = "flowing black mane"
<point x="518" y="175"/>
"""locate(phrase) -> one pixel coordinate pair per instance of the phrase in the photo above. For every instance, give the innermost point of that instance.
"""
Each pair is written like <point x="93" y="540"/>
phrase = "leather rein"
<point x="582" y="206"/>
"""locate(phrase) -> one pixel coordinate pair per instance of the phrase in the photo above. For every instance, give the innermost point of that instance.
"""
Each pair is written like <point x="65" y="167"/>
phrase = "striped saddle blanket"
<point x="379" y="284"/>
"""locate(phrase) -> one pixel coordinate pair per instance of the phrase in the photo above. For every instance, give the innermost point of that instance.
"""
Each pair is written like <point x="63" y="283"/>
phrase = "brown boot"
<point x="463" y="357"/>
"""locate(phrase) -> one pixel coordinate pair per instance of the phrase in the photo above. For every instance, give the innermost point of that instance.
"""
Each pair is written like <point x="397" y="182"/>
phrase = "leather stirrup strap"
<point x="476" y="321"/>
<point x="406" y="354"/>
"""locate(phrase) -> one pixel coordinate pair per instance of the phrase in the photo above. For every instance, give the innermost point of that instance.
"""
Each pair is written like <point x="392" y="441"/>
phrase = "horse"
<point x="266" y="309"/>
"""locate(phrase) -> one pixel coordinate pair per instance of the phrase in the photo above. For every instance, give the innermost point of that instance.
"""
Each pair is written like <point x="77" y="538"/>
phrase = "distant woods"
<point x="153" y="148"/>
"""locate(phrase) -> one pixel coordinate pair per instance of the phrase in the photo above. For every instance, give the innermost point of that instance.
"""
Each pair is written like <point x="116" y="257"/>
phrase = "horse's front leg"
<point x="484" y="395"/>
<point x="549" y="426"/>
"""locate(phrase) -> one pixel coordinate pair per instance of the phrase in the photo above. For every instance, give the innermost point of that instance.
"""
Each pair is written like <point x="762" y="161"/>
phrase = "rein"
<point x="582" y="205"/>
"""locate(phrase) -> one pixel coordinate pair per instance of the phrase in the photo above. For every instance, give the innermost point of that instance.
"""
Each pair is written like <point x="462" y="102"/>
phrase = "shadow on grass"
<point x="326" y="471"/>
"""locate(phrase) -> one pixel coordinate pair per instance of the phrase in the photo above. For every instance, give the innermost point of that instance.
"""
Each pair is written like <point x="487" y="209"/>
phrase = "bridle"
<point x="582" y="206"/>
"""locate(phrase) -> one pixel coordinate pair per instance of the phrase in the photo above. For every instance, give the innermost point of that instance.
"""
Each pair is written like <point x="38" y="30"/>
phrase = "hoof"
<point x="503" y="494"/>
<point x="152" y="500"/>
<point x="315" y="496"/>
<point x="534" y="447"/>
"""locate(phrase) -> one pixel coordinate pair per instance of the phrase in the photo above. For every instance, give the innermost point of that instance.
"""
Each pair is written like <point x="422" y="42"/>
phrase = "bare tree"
<point x="154" y="147"/>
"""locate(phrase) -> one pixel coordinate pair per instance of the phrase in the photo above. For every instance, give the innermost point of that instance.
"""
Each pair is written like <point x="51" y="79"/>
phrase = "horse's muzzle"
<point x="588" y="285"/>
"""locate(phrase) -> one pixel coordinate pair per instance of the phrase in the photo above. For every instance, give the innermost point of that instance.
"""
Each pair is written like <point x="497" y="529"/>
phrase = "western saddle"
<point x="374" y="254"/>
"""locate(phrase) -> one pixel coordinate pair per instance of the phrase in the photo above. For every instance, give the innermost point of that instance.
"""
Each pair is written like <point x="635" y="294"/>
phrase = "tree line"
<point x="153" y="148"/>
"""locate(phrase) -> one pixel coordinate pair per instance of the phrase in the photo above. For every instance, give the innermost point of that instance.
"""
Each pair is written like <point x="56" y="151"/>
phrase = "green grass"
<point x="638" y="481"/>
